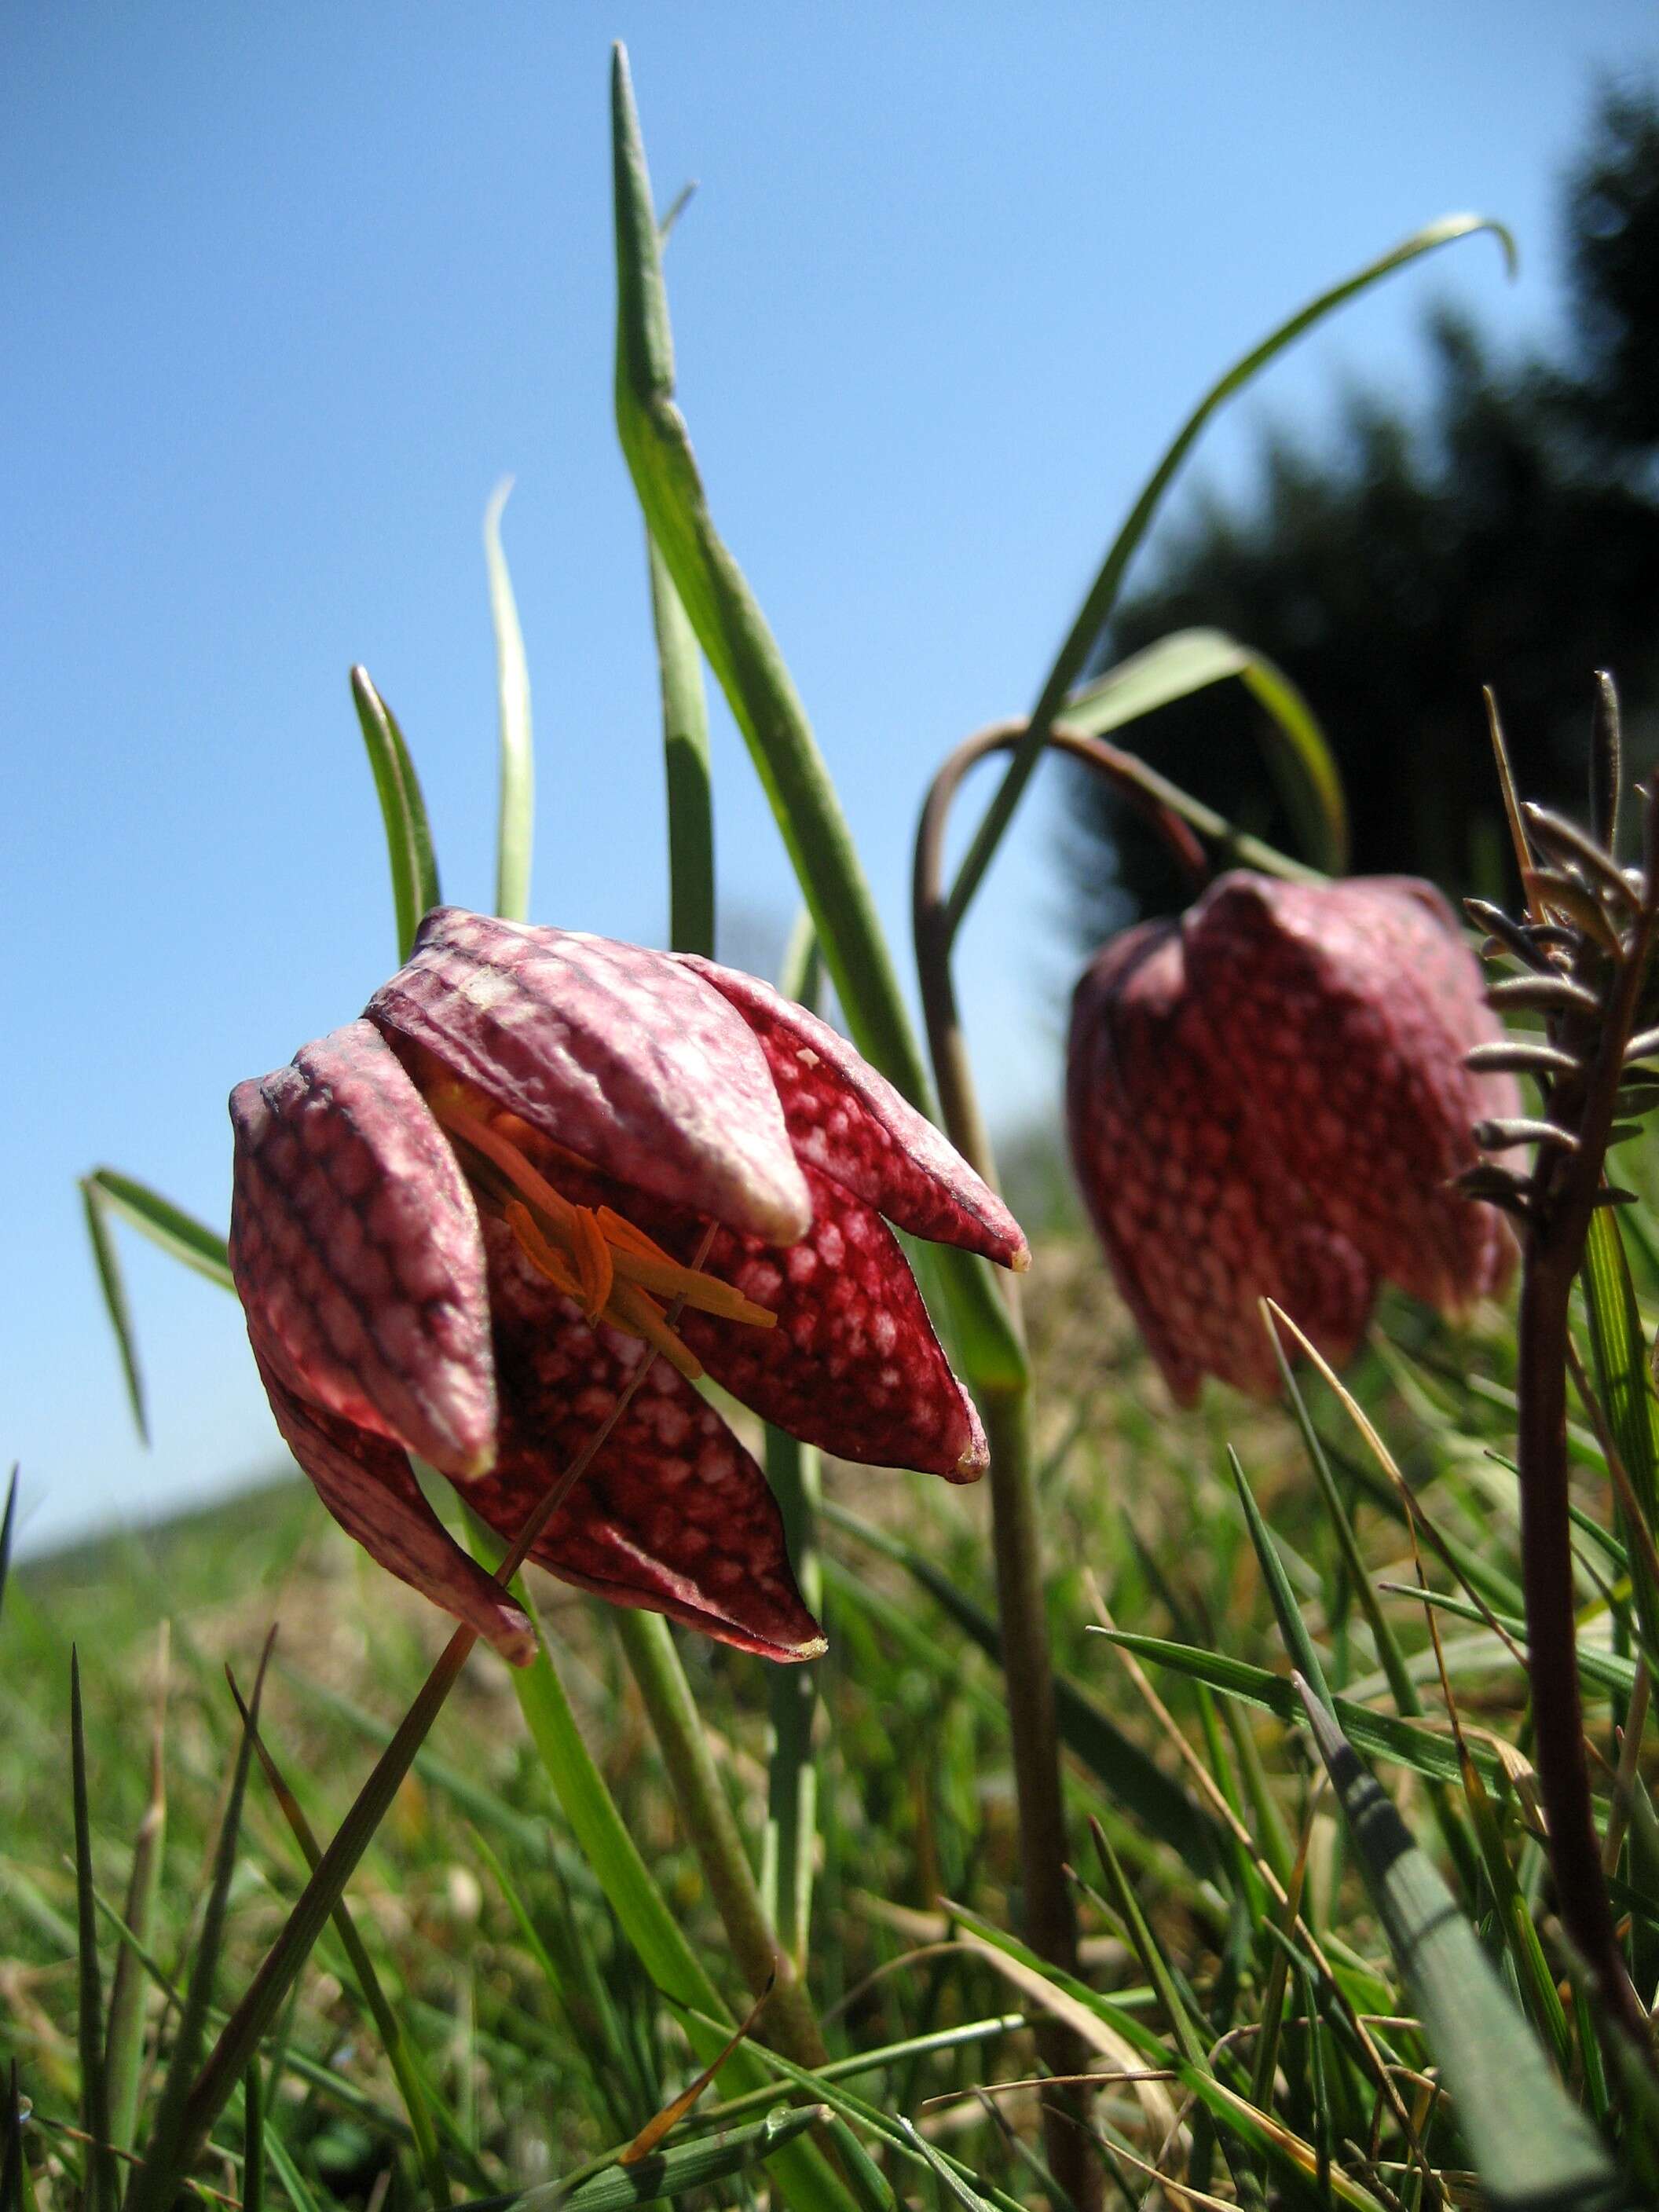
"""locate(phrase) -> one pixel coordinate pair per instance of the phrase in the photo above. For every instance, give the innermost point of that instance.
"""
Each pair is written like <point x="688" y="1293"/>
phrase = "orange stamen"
<point x="591" y="1254"/>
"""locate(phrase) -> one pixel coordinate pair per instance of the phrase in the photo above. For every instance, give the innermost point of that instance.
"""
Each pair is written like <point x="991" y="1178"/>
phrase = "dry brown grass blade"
<point x="674" y="2111"/>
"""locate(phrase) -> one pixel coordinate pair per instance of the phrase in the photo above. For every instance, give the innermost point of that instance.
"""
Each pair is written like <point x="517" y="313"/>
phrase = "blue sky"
<point x="289" y="289"/>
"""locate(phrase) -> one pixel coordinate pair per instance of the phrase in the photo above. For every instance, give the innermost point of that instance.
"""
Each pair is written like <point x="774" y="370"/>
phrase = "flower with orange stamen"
<point x="460" y="1222"/>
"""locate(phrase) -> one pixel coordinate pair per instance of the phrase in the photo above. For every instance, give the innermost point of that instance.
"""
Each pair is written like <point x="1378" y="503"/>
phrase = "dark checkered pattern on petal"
<point x="1352" y="1005"/>
<point x="367" y="1485"/>
<point x="674" y="1515"/>
<point x="853" y="1364"/>
<point x="1267" y="1098"/>
<point x="846" y="1119"/>
<point x="620" y="1054"/>
<point x="353" y="1243"/>
<point x="1198" y="1224"/>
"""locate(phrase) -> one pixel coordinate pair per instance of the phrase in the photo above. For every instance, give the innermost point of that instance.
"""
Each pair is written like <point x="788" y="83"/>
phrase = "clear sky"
<point x="287" y="290"/>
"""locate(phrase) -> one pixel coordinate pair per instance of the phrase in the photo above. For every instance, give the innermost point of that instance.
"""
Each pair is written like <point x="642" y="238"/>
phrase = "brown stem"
<point x="1552" y="1640"/>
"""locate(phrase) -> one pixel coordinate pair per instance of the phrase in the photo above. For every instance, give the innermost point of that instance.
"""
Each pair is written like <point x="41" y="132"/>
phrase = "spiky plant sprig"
<point x="1584" y="948"/>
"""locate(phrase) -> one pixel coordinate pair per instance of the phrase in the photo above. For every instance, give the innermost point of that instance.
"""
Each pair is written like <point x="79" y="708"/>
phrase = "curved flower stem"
<point x="789" y="2020"/>
<point x="1187" y="826"/>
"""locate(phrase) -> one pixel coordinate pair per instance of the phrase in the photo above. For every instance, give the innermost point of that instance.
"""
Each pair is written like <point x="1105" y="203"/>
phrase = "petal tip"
<point x="1019" y="1259"/>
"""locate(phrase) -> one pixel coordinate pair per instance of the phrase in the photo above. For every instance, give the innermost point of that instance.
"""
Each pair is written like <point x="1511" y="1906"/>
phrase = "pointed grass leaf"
<point x="1532" y="2146"/>
<point x="100" y="2191"/>
<point x="403" y="809"/>
<point x="1190" y="661"/>
<point x="1130" y="1775"/>
<point x="1292" y="1629"/>
<point x="1385" y="1736"/>
<point x="515" y="827"/>
<point x="173" y="2144"/>
<point x="740" y="648"/>
<point x="1101" y="597"/>
<point x="179" y="1235"/>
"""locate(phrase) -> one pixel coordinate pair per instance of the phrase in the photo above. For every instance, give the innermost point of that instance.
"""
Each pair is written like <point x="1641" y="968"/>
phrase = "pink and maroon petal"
<point x="853" y="1364"/>
<point x="674" y="1516"/>
<point x="1347" y="1009"/>
<point x="616" y="1052"/>
<point x="366" y="1484"/>
<point x="849" y="1121"/>
<point x="1199" y="1223"/>
<point x="353" y="1243"/>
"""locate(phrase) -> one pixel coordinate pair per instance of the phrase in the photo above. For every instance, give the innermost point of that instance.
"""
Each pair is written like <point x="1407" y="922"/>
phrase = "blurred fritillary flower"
<point x="1267" y="1097"/>
<point x="460" y="1223"/>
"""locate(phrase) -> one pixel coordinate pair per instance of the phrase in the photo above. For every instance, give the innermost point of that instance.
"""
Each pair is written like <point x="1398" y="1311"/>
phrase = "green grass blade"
<point x="173" y="2142"/>
<point x="744" y="655"/>
<point x="393" y="2042"/>
<point x="1626" y="1388"/>
<point x="1531" y="2145"/>
<point x="801" y="2171"/>
<point x="100" y="2193"/>
<point x="108" y="1261"/>
<point x="1191" y="660"/>
<point x="793" y="1473"/>
<point x="125" y="2046"/>
<point x="666" y="2174"/>
<point x="1292" y="1627"/>
<point x="1097" y="608"/>
<point x="516" y="820"/>
<point x="253" y="2141"/>
<point x="1383" y="1736"/>
<point x="179" y="1234"/>
<point x="1132" y="1779"/>
<point x="403" y="809"/>
<point x="6" y="1525"/>
<point x="685" y="765"/>
<point x="242" y="2033"/>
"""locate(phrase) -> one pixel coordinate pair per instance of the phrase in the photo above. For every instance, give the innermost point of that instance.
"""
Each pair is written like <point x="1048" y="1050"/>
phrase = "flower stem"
<point x="789" y="2019"/>
<point x="1027" y="1662"/>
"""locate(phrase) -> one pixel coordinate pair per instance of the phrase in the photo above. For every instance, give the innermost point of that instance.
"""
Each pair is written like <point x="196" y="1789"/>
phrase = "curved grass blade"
<point x="100" y="2191"/>
<point x="403" y="809"/>
<point x="516" y="822"/>
<point x="1298" y="758"/>
<point x="1132" y="1779"/>
<point x="744" y="655"/>
<point x="108" y="1261"/>
<point x="173" y="2140"/>
<point x="179" y="1234"/>
<point x="1531" y="2144"/>
<point x="1101" y="597"/>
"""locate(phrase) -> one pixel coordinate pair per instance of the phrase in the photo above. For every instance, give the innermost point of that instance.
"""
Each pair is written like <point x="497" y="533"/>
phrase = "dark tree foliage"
<point x="1507" y="534"/>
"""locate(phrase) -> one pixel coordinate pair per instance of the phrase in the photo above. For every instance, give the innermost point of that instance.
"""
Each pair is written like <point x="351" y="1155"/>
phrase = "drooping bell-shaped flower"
<point x="460" y="1223"/>
<point x="1267" y="1097"/>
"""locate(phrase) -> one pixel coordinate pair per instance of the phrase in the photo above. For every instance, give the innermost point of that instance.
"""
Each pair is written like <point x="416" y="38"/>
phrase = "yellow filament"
<point x="609" y="1267"/>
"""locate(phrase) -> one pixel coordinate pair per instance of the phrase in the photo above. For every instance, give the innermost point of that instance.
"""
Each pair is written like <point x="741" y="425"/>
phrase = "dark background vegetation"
<point x="1506" y="533"/>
